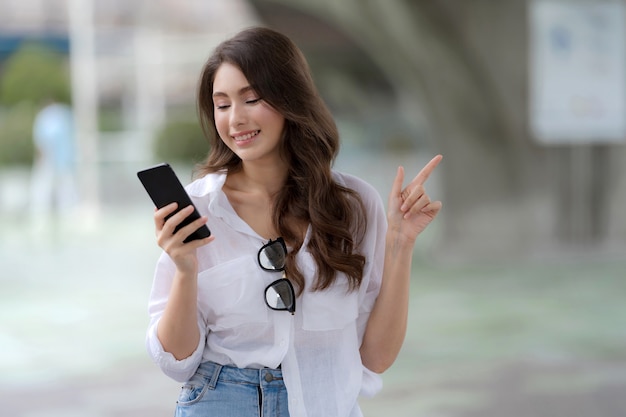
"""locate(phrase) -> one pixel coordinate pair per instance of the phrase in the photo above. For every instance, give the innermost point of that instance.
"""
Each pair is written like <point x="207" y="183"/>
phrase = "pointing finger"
<point x="423" y="175"/>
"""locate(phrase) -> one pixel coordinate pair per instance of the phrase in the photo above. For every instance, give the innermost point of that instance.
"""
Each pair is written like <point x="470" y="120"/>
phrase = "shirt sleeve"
<point x="179" y="370"/>
<point x="373" y="247"/>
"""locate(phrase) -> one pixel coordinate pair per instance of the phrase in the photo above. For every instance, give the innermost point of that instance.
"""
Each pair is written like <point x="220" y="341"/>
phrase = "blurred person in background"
<point x="53" y="182"/>
<point x="219" y="318"/>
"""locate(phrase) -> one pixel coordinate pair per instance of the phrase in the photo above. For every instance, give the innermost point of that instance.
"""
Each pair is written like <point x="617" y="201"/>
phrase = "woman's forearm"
<point x="178" y="328"/>
<point x="387" y="324"/>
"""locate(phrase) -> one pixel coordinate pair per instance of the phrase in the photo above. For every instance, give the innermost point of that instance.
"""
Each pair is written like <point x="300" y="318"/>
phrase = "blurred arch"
<point x="420" y="58"/>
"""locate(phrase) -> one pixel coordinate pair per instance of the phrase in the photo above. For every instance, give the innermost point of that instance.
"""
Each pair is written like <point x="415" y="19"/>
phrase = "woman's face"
<point x="249" y="126"/>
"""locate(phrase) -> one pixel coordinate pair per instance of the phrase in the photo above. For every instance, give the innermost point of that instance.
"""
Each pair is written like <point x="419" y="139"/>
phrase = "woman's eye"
<point x="222" y="106"/>
<point x="253" y="101"/>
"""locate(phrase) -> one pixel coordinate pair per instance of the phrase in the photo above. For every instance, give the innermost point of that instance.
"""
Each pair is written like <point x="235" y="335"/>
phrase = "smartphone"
<point x="164" y="187"/>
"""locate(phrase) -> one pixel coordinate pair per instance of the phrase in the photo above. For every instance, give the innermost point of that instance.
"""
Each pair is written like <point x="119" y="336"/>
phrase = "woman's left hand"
<point x="410" y="209"/>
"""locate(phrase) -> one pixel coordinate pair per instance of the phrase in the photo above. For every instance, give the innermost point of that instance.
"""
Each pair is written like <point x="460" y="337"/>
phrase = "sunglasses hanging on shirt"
<point x="279" y="295"/>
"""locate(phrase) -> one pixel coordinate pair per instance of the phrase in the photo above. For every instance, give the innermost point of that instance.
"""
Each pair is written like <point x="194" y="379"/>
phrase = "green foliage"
<point x="35" y="73"/>
<point x="16" y="143"/>
<point x="181" y="141"/>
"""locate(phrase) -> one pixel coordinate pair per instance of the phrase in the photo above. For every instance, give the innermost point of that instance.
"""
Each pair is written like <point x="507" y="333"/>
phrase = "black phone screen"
<point x="164" y="187"/>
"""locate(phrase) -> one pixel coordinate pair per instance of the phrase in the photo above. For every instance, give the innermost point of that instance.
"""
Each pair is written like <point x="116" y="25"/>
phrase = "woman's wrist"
<point x="186" y="274"/>
<point x="398" y="242"/>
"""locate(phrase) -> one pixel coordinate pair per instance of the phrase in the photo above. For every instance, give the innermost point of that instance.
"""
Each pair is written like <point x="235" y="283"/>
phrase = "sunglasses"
<point x="279" y="295"/>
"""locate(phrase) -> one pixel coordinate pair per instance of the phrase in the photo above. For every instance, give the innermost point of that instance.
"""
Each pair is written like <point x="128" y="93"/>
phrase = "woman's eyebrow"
<point x="241" y="91"/>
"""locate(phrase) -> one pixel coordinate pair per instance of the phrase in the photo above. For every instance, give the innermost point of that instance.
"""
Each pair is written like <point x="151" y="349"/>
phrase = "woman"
<point x="289" y="235"/>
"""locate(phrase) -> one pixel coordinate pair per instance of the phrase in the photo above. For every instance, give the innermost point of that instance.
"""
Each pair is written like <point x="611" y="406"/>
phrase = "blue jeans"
<point x="226" y="391"/>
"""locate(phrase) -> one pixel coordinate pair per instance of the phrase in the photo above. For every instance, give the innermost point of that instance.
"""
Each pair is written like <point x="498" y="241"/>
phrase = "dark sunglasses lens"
<point x="280" y="296"/>
<point x="272" y="256"/>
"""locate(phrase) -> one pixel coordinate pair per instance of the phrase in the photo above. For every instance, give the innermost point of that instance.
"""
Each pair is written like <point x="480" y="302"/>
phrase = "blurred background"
<point x="518" y="294"/>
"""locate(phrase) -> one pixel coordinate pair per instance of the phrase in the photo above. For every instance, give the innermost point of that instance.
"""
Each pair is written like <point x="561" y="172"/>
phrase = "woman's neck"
<point x="258" y="178"/>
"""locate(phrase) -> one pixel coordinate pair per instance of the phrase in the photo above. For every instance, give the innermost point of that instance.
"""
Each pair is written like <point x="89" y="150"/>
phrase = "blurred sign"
<point x="577" y="71"/>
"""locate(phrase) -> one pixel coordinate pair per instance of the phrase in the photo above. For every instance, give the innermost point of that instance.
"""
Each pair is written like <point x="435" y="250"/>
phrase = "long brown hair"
<point x="280" y="75"/>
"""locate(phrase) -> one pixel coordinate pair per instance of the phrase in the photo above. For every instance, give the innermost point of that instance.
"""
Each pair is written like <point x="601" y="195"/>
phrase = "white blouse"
<point x="317" y="348"/>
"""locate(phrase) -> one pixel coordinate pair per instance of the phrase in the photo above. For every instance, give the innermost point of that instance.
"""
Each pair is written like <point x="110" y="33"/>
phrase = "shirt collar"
<point x="210" y="187"/>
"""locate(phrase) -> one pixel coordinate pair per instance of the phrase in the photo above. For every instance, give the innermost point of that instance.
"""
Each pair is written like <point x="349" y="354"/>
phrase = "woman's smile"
<point x="242" y="139"/>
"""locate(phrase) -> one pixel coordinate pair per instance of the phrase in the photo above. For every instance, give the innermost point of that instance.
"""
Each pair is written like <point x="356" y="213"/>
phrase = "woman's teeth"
<point x="247" y="136"/>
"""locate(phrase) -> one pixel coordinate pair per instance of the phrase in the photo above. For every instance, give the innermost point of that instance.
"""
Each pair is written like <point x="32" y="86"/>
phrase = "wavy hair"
<point x="277" y="70"/>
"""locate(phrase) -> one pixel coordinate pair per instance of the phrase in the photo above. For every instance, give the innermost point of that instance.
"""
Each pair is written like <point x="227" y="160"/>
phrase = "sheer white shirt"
<point x="317" y="348"/>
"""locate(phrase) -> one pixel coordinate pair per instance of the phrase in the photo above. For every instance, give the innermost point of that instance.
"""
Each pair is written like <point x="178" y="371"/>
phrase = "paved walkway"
<point x="73" y="317"/>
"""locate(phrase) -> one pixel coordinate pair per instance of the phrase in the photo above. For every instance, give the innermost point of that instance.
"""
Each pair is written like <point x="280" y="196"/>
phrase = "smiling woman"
<point x="243" y="119"/>
<point x="220" y="320"/>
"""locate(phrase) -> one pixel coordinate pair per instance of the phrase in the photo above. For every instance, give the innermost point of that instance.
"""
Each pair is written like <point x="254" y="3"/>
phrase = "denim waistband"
<point x="215" y="373"/>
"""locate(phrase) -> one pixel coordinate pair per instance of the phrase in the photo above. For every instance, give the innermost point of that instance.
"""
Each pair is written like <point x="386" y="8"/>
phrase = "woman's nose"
<point x="237" y="115"/>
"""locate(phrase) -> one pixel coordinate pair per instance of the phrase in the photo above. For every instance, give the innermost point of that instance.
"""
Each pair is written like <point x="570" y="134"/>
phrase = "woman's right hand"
<point x="183" y="254"/>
